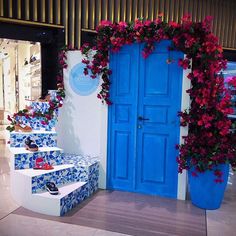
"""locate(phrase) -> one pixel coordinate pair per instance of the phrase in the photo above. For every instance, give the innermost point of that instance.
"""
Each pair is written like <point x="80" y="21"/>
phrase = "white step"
<point x="70" y="195"/>
<point x="57" y="205"/>
<point x="35" y="132"/>
<point x="32" y="173"/>
<point x="63" y="191"/>
<point x="22" y="150"/>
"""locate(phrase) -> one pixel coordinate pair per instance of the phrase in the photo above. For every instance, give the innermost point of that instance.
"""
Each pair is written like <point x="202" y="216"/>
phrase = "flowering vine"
<point x="54" y="103"/>
<point x="209" y="141"/>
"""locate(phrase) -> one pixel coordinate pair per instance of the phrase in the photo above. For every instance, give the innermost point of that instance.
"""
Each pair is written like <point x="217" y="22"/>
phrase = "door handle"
<point x="141" y="118"/>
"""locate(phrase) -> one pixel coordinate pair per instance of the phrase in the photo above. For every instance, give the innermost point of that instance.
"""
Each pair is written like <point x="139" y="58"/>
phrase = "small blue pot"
<point x="205" y="192"/>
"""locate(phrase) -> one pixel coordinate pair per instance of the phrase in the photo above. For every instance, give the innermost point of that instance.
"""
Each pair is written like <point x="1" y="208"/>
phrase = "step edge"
<point x="66" y="166"/>
<point x="22" y="150"/>
<point x="46" y="194"/>
<point x="34" y="132"/>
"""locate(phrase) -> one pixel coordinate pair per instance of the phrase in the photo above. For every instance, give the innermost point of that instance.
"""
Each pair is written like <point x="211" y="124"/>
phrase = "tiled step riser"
<point x="42" y="107"/>
<point x="39" y="107"/>
<point x="42" y="140"/>
<point x="87" y="174"/>
<point x="87" y="169"/>
<point x="27" y="160"/>
<point x="59" y="177"/>
<point x="37" y="123"/>
<point x="73" y="199"/>
<point x="93" y="178"/>
<point x="74" y="174"/>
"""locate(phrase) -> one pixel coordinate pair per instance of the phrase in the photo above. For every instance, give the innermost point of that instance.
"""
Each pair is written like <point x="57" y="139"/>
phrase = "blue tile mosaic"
<point x="89" y="172"/>
<point x="36" y="123"/>
<point x="27" y="160"/>
<point x="93" y="178"/>
<point x="39" y="107"/>
<point x="42" y="140"/>
<point x="59" y="177"/>
<point x="73" y="199"/>
<point x="86" y="168"/>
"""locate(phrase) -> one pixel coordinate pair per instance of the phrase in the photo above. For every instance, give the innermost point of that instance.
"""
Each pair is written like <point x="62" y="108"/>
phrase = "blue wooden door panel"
<point x="122" y="116"/>
<point x="159" y="101"/>
<point x="141" y="153"/>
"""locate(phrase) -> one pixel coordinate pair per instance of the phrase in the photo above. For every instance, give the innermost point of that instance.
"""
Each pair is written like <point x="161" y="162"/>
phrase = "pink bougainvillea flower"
<point x="174" y="24"/>
<point x="105" y="23"/>
<point x="122" y="24"/>
<point x="232" y="81"/>
<point x="210" y="101"/>
<point x="184" y="63"/>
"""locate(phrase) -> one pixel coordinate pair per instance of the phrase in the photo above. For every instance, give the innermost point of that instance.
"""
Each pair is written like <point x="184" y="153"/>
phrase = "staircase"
<point x="75" y="176"/>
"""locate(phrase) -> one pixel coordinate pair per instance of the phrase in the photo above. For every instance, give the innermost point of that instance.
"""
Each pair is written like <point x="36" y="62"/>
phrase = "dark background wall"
<point x="51" y="39"/>
<point x="83" y="15"/>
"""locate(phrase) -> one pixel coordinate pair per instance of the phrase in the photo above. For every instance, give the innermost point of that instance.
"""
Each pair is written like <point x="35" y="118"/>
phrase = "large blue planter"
<point x="205" y="192"/>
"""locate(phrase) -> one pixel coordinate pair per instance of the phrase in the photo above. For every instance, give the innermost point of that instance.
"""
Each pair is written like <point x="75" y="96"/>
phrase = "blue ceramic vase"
<point x="205" y="192"/>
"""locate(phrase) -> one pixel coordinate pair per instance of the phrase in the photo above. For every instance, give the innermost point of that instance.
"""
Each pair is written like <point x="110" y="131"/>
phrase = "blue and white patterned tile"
<point x="39" y="107"/>
<point x="87" y="169"/>
<point x="86" y="166"/>
<point x="93" y="178"/>
<point x="22" y="120"/>
<point x="37" y="123"/>
<point x="27" y="160"/>
<point x="59" y="177"/>
<point x="41" y="139"/>
<point x="73" y="199"/>
<point x="79" y="159"/>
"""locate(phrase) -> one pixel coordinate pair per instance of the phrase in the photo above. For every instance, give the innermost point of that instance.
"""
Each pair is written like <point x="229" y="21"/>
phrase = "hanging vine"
<point x="209" y="141"/>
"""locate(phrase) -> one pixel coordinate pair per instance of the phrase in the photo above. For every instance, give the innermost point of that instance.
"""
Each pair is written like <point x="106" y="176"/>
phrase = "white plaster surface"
<point x="185" y="104"/>
<point x="82" y="122"/>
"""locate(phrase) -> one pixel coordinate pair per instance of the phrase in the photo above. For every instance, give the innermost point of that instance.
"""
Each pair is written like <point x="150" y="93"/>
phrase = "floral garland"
<point x="209" y="141"/>
<point x="55" y="103"/>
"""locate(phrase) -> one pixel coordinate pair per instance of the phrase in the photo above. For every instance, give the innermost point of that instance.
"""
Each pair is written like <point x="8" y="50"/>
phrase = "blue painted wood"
<point x="141" y="153"/>
<point x="205" y="192"/>
<point x="122" y="118"/>
<point x="159" y="101"/>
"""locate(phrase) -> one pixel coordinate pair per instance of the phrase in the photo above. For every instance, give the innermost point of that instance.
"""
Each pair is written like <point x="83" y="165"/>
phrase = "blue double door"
<point x="143" y="123"/>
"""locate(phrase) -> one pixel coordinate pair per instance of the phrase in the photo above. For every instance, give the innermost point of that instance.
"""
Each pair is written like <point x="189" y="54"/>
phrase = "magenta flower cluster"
<point x="209" y="141"/>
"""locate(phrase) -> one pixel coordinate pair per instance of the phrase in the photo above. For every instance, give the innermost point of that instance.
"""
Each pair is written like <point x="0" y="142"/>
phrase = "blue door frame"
<point x="143" y="126"/>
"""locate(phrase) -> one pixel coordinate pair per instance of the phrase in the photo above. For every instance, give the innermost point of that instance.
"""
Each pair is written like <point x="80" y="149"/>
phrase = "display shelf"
<point x="34" y="173"/>
<point x="63" y="190"/>
<point x="35" y="132"/>
<point x="22" y="150"/>
<point x="75" y="176"/>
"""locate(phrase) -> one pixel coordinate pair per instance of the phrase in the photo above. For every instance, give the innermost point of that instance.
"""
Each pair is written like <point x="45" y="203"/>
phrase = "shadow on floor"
<point x="133" y="214"/>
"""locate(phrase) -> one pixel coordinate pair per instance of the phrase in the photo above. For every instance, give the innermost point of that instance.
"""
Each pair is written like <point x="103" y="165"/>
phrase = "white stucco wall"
<point x="185" y="103"/>
<point x="83" y="121"/>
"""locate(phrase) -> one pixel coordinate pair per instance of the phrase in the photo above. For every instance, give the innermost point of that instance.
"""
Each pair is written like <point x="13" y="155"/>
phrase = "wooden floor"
<point x="134" y="214"/>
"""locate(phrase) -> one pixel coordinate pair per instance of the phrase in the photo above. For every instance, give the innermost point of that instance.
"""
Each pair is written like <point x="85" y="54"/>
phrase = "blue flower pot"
<point x="205" y="192"/>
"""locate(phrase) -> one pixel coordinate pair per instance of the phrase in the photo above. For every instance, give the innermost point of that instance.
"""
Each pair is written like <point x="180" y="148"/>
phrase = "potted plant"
<point x="209" y="148"/>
